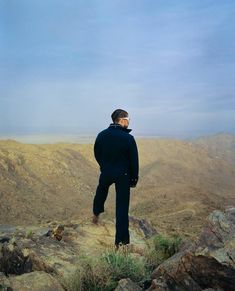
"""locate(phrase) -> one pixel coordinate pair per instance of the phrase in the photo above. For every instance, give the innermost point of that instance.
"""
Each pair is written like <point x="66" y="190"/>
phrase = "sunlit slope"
<point x="42" y="182"/>
<point x="180" y="183"/>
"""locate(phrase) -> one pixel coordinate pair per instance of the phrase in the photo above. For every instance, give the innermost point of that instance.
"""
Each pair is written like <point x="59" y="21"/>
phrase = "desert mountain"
<point x="180" y="183"/>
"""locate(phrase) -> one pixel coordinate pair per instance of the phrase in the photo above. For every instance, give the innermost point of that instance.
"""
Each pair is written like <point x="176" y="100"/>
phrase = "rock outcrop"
<point x="143" y="225"/>
<point x="207" y="263"/>
<point x="38" y="258"/>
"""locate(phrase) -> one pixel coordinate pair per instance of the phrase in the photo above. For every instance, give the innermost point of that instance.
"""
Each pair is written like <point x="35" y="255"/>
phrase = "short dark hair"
<point x="117" y="114"/>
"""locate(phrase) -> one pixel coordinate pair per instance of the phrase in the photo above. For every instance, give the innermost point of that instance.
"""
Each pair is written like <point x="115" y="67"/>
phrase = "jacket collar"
<point x="118" y="126"/>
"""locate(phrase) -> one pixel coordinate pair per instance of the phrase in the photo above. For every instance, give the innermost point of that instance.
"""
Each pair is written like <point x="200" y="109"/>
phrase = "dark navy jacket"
<point x="116" y="151"/>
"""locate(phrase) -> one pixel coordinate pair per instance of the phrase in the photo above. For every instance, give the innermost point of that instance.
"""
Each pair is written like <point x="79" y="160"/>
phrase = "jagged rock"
<point x="36" y="281"/>
<point x="4" y="239"/>
<point x="57" y="232"/>
<point x="13" y="260"/>
<point x="207" y="263"/>
<point x="147" y="229"/>
<point x="127" y="285"/>
<point x="158" y="286"/>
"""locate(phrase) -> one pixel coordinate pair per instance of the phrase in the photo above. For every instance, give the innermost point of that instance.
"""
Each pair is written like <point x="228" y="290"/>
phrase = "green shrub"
<point x="29" y="234"/>
<point x="152" y="259"/>
<point x="104" y="272"/>
<point x="161" y="248"/>
<point x="123" y="264"/>
<point x="168" y="246"/>
<point x="90" y="275"/>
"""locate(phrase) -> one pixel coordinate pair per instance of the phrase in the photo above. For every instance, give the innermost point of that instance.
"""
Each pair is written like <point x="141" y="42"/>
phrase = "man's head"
<point x="121" y="117"/>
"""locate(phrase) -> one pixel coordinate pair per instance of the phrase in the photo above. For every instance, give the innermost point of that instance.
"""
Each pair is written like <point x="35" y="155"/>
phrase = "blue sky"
<point x="65" y="66"/>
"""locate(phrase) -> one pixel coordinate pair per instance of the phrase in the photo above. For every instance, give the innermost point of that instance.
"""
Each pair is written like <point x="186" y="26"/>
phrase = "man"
<point x="116" y="152"/>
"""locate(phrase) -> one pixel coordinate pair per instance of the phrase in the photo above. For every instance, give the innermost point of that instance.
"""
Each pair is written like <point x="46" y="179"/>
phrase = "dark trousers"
<point x="122" y="187"/>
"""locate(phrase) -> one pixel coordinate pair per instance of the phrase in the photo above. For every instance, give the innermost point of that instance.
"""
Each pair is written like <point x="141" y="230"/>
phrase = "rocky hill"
<point x="180" y="183"/>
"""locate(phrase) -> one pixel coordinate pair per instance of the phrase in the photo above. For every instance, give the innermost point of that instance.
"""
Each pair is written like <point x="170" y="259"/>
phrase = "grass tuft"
<point x="103" y="273"/>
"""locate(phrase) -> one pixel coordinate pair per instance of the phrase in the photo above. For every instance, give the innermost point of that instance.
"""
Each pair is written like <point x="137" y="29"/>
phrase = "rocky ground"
<point x="36" y="258"/>
<point x="206" y="264"/>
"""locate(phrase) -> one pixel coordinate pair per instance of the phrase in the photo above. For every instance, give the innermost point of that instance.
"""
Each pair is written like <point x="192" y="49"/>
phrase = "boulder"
<point x="209" y="262"/>
<point x="14" y="260"/>
<point x="127" y="285"/>
<point x="145" y="226"/>
<point x="36" y="281"/>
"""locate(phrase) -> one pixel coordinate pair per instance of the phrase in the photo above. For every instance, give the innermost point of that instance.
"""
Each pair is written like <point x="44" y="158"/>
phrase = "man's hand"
<point x="133" y="182"/>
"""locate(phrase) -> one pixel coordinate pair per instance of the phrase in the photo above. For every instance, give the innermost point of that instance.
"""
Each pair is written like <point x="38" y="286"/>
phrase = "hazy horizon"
<point x="76" y="138"/>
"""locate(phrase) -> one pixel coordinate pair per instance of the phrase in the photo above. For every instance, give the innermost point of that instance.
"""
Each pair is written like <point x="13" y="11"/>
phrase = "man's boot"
<point x="95" y="219"/>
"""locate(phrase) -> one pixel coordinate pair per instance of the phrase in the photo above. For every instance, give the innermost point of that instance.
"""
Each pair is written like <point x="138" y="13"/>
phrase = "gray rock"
<point x="35" y="281"/>
<point x="4" y="228"/>
<point x="127" y="285"/>
<point x="145" y="226"/>
<point x="207" y="263"/>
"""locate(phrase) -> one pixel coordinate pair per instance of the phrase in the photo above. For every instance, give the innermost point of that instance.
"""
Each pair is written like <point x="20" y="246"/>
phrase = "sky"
<point x="66" y="65"/>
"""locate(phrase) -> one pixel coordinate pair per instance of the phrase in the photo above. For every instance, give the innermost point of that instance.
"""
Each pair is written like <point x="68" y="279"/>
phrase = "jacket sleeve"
<point x="134" y="160"/>
<point x="97" y="150"/>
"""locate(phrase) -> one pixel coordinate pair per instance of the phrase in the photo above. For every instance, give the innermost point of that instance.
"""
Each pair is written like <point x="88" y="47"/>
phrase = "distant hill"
<point x="221" y="145"/>
<point x="181" y="182"/>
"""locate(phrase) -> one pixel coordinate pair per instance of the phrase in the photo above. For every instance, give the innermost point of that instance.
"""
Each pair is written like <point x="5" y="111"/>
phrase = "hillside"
<point x="220" y="145"/>
<point x="43" y="182"/>
<point x="181" y="182"/>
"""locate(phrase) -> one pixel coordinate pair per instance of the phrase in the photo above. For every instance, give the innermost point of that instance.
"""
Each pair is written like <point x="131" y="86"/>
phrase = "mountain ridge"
<point x="40" y="182"/>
